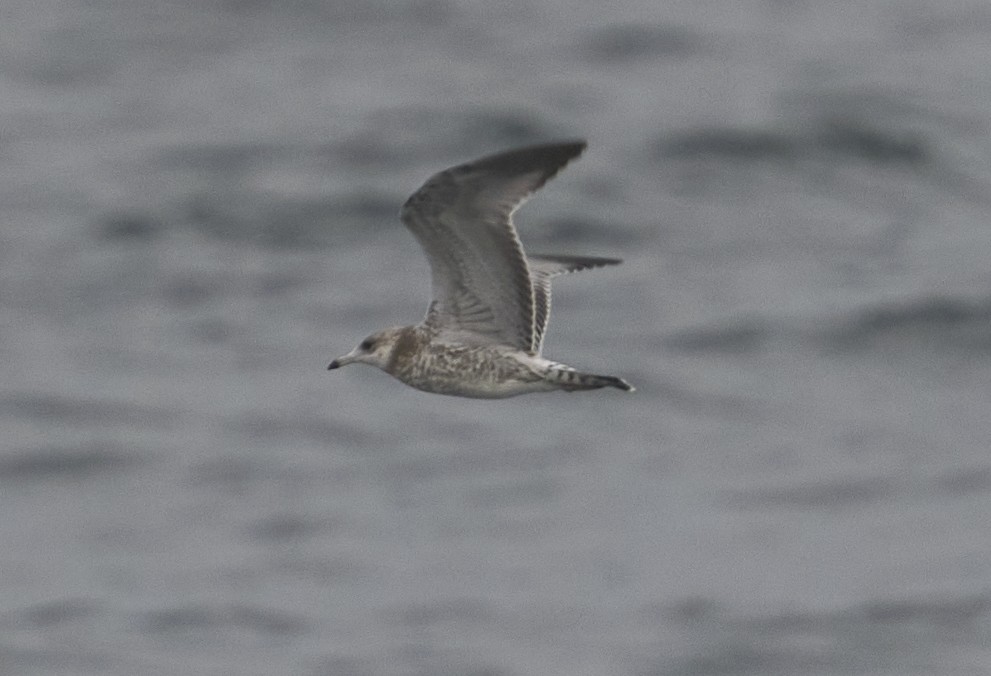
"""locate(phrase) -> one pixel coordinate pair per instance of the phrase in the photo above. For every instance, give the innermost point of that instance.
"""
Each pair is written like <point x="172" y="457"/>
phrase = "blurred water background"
<point x="198" y="210"/>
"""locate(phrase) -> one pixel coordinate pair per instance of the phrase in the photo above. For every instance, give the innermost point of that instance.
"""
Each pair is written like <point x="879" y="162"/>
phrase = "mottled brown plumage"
<point x="484" y="329"/>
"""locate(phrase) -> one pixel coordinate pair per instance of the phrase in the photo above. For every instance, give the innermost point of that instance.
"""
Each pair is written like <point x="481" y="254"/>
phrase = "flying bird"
<point x="484" y="329"/>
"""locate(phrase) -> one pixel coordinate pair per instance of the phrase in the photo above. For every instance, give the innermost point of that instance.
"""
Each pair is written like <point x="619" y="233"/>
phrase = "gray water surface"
<point x="198" y="210"/>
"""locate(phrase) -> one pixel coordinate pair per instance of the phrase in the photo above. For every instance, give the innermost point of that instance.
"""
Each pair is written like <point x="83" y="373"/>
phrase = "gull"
<point x="484" y="329"/>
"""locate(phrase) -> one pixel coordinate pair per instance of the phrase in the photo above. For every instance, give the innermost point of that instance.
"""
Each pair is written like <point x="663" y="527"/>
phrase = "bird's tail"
<point x="575" y="381"/>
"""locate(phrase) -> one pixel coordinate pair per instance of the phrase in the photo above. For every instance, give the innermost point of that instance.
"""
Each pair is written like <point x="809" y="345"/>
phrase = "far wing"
<point x="545" y="268"/>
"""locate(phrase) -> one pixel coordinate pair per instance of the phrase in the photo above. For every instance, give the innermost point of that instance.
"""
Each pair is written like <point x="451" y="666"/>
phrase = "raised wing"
<point x="545" y="268"/>
<point x="462" y="217"/>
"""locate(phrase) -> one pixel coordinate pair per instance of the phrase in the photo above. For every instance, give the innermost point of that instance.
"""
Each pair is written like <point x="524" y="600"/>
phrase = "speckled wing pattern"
<point x="462" y="217"/>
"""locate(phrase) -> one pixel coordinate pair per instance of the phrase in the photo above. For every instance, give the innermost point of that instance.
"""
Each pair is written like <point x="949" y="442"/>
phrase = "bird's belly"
<point x="484" y="390"/>
<point x="491" y="390"/>
<point x="475" y="373"/>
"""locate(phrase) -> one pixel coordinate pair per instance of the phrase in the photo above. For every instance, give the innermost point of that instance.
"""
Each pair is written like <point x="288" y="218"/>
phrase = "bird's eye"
<point x="367" y="344"/>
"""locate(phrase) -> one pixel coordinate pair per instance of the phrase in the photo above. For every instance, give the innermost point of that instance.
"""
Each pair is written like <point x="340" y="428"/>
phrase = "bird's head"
<point x="376" y="350"/>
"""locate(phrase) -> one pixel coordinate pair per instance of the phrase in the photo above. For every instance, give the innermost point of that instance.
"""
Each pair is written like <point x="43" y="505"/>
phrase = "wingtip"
<point x="578" y="144"/>
<point x="572" y="147"/>
<point x="552" y="155"/>
<point x="603" y="262"/>
<point x="558" y="264"/>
